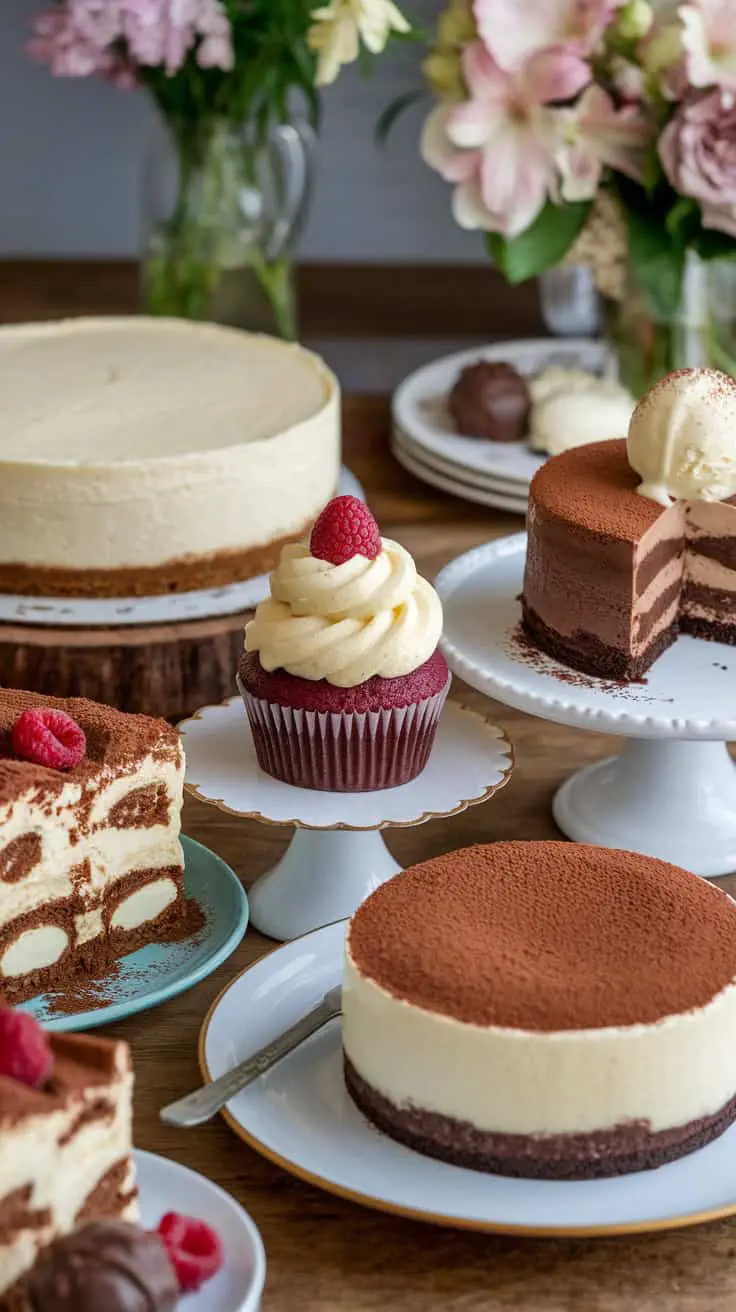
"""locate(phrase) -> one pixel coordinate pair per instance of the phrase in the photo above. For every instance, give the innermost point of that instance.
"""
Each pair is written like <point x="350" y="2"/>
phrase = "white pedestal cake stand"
<point x="671" y="792"/>
<point x="337" y="855"/>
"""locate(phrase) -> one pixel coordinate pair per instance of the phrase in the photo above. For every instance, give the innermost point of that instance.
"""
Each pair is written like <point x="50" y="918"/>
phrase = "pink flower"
<point x="599" y="134"/>
<point x="76" y="39"/>
<point x="82" y="37"/>
<point x="514" y="29"/>
<point x="709" y="38"/>
<point x="499" y="146"/>
<point x="698" y="153"/>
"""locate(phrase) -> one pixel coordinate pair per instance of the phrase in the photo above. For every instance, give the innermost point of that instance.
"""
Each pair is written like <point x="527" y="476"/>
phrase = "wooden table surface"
<point x="328" y="1255"/>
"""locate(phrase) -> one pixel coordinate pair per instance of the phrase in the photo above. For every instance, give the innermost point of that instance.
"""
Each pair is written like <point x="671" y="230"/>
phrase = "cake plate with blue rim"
<point x="671" y="792"/>
<point x="337" y="855"/>
<point x="158" y="971"/>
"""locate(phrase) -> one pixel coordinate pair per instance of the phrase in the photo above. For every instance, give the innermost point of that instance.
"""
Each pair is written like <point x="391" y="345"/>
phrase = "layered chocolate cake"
<point x="91" y="865"/>
<point x="549" y="1010"/>
<point x="64" y="1146"/>
<point x="632" y="543"/>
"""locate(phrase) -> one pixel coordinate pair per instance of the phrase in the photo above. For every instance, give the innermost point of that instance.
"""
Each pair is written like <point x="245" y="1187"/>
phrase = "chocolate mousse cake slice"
<point x="549" y="1010"/>
<point x="65" y="1145"/>
<point x="631" y="543"/>
<point x="91" y="865"/>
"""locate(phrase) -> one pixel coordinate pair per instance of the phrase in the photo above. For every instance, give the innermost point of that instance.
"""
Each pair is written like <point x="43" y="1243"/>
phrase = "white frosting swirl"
<point x="346" y="623"/>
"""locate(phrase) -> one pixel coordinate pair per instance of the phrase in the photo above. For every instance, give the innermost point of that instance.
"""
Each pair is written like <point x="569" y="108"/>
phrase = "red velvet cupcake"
<point x="341" y="677"/>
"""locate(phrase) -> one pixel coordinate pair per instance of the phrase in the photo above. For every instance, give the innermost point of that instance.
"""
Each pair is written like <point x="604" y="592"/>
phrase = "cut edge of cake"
<point x="65" y="1153"/>
<point x="91" y="864"/>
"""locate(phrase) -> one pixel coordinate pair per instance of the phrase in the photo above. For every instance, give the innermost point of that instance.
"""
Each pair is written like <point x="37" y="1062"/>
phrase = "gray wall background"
<point x="71" y="152"/>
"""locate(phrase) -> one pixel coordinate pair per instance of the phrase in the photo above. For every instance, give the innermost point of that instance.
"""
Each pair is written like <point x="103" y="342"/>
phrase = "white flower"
<point x="709" y="38"/>
<point x="339" y="27"/>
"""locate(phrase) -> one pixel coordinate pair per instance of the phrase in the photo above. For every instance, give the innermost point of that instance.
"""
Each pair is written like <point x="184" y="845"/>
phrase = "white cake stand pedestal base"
<point x="671" y="792"/>
<point x="675" y="800"/>
<point x="337" y="856"/>
<point x="322" y="876"/>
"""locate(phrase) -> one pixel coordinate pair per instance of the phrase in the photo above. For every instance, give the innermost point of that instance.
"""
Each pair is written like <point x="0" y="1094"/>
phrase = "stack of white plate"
<point x="426" y="442"/>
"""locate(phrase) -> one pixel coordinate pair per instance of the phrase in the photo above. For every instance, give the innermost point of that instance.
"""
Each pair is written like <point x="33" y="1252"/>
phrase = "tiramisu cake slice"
<point x="65" y="1128"/>
<point x="632" y="543"/>
<point x="91" y="865"/>
<point x="550" y="1010"/>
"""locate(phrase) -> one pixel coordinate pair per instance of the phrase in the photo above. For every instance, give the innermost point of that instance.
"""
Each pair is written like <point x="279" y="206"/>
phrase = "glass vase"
<point x="223" y="208"/>
<point x="702" y="332"/>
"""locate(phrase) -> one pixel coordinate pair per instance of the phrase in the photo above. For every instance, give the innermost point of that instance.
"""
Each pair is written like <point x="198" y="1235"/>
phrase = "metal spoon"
<point x="204" y="1103"/>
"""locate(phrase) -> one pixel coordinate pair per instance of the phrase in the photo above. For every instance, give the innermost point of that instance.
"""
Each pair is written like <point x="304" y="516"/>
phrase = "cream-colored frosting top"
<point x="346" y="623"/>
<point x="90" y="392"/>
<point x="682" y="438"/>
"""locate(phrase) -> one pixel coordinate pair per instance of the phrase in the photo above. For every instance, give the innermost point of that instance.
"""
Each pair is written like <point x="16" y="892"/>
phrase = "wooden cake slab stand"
<point x="157" y="669"/>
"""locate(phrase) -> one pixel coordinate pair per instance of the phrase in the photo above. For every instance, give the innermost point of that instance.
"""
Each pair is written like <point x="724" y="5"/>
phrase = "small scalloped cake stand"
<point x="671" y="792"/>
<point x="337" y="855"/>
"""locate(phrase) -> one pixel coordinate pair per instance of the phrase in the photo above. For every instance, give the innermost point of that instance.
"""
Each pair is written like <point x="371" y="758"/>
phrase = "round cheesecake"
<point x="549" y="1010"/>
<point x="143" y="456"/>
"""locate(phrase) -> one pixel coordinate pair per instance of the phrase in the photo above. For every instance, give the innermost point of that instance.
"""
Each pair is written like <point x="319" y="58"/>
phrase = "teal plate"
<point x="161" y="970"/>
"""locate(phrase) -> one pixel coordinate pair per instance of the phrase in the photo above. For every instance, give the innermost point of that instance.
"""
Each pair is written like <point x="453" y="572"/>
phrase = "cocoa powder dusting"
<point x="594" y="488"/>
<point x="547" y="936"/>
<point x="93" y="990"/>
<point x="116" y="741"/>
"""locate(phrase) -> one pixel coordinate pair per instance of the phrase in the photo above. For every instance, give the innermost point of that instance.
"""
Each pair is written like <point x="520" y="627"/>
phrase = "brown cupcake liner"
<point x="343" y="752"/>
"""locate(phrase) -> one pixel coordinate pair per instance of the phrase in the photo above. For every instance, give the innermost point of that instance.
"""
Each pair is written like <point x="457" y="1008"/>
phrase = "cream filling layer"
<point x="710" y="573"/>
<point x="61" y="1176"/>
<point x="43" y="945"/>
<point x="511" y="1081"/>
<point x="112" y="852"/>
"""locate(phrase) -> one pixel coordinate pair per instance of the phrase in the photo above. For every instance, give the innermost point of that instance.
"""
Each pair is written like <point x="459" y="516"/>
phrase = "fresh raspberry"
<point x="346" y="528"/>
<point x="194" y="1249"/>
<point x="49" y="738"/>
<point x="25" y="1052"/>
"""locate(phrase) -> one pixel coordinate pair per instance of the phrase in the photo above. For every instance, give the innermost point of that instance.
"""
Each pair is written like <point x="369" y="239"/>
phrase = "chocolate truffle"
<point x="107" y="1265"/>
<point x="491" y="400"/>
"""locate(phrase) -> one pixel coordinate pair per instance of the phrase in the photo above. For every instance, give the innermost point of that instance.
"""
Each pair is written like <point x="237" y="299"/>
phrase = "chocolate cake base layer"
<point x="619" y="1151"/>
<point x="109" y="1201"/>
<point x="711" y="630"/>
<point x="188" y="574"/>
<point x="91" y="959"/>
<point x="589" y="655"/>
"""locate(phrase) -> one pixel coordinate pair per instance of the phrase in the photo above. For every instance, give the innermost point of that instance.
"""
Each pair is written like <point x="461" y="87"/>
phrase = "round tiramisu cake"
<point x="144" y="456"/>
<point x="550" y="1010"/>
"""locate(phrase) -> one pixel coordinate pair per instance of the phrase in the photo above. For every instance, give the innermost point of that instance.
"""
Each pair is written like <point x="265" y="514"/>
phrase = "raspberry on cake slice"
<point x="91" y="864"/>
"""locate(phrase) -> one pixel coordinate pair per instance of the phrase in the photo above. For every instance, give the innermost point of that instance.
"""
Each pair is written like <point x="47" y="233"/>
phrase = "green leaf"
<point x="681" y="216"/>
<point x="542" y="245"/>
<point x="392" y="113"/>
<point x="713" y="245"/>
<point x="657" y="259"/>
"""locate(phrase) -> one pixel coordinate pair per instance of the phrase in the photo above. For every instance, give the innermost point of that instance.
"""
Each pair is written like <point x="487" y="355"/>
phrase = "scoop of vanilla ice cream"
<point x="555" y="378"/>
<point x="682" y="438"/>
<point x="576" y="418"/>
<point x="571" y="408"/>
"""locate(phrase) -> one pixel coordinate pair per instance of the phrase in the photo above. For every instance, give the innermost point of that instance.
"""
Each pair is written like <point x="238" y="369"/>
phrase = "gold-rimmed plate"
<point x="300" y="1117"/>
